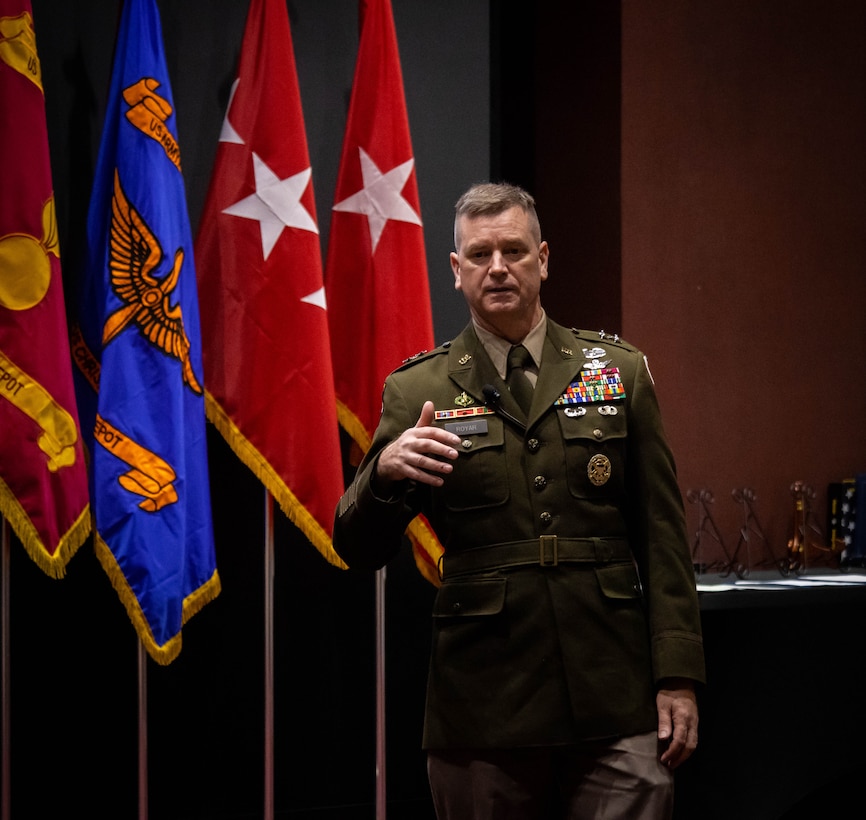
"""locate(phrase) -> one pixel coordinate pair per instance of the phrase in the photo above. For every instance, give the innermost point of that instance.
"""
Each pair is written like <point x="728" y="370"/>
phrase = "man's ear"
<point x="543" y="255"/>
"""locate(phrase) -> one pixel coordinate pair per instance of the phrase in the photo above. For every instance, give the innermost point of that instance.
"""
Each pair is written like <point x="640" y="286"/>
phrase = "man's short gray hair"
<point x="492" y="198"/>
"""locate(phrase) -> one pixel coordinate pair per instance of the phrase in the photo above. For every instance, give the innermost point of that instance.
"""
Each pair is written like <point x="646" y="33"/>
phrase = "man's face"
<point x="499" y="267"/>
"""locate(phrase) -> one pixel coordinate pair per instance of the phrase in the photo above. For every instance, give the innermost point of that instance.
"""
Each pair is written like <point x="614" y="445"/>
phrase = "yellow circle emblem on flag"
<point x="25" y="271"/>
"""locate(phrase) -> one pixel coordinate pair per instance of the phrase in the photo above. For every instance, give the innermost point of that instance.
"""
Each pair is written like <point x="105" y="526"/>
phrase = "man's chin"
<point x="499" y="303"/>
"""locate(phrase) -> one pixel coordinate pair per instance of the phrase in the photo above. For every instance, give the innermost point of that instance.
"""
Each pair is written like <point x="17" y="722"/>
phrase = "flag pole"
<point x="7" y="656"/>
<point x="142" y="732"/>
<point x="269" y="656"/>
<point x="381" y="791"/>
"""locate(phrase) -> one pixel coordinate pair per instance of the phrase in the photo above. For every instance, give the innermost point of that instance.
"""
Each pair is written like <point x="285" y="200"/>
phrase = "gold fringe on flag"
<point x="296" y="512"/>
<point x="53" y="565"/>
<point x="192" y="604"/>
<point x="425" y="545"/>
<point x="426" y="549"/>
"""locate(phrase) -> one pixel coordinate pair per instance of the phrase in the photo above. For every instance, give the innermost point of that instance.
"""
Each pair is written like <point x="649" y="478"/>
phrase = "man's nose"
<point x="497" y="262"/>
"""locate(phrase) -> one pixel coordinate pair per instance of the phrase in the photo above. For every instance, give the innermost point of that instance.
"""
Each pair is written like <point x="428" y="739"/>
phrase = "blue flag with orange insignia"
<point x="138" y="352"/>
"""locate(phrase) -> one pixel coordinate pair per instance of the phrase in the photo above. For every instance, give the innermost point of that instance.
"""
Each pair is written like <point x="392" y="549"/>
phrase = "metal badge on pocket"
<point x="598" y="470"/>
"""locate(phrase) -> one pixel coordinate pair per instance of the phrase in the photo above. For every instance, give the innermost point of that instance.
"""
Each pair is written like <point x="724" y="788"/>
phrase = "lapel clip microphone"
<point x="494" y="398"/>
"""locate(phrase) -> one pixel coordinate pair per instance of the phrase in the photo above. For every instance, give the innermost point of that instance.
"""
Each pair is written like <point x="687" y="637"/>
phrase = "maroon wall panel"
<point x="743" y="242"/>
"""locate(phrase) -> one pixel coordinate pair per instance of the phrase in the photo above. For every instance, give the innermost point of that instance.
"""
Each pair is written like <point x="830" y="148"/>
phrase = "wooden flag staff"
<point x="381" y="780"/>
<point x="142" y="731"/>
<point x="269" y="656"/>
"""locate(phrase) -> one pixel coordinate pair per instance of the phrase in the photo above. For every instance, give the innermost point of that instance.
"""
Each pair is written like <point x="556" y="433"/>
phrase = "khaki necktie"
<point x="515" y="378"/>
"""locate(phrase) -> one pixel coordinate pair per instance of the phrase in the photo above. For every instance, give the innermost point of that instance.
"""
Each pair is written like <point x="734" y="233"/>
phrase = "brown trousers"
<point x="619" y="780"/>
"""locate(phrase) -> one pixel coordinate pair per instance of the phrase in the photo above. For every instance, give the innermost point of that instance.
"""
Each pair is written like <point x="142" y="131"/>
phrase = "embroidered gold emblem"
<point x="148" y="112"/>
<point x="598" y="469"/>
<point x="135" y="253"/>
<point x="25" y="267"/>
<point x="59" y="433"/>
<point x="18" y="47"/>
<point x="150" y="477"/>
<point x="464" y="400"/>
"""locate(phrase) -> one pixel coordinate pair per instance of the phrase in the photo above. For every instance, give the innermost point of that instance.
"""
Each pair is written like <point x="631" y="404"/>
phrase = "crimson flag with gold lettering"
<point x="43" y="478"/>
<point x="138" y="351"/>
<point x="376" y="269"/>
<point x="267" y="358"/>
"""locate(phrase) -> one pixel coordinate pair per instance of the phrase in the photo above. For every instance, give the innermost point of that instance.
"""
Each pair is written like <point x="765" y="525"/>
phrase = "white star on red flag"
<point x="276" y="204"/>
<point x="381" y="198"/>
<point x="316" y="298"/>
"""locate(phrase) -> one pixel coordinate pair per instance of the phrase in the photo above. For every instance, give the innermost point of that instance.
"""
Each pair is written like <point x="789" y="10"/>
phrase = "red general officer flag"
<point x="376" y="271"/>
<point x="267" y="358"/>
<point x="43" y="477"/>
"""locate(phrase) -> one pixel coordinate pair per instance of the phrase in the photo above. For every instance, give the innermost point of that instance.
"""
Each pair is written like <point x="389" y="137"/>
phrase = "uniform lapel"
<point x="470" y="367"/>
<point x="559" y="365"/>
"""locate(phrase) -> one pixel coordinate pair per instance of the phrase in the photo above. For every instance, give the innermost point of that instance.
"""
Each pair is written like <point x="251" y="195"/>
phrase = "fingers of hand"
<point x="435" y="459"/>
<point x="682" y="744"/>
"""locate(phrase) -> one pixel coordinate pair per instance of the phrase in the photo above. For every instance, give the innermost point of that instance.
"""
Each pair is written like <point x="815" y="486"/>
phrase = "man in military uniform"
<point x="566" y="631"/>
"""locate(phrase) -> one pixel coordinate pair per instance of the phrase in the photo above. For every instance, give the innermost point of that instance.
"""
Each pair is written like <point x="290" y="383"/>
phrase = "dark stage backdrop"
<point x="73" y="651"/>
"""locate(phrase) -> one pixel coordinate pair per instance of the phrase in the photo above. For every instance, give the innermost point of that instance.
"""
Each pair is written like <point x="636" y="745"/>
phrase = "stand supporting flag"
<point x="5" y="674"/>
<point x="138" y="351"/>
<point x="43" y="476"/>
<point x="376" y="273"/>
<point x="267" y="359"/>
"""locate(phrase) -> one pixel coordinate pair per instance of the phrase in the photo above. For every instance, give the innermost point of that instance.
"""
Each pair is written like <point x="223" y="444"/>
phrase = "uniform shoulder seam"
<point x="601" y="337"/>
<point x="423" y="355"/>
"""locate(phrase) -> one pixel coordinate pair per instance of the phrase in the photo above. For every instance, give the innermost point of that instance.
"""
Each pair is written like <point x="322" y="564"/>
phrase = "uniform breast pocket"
<point x="595" y="447"/>
<point x="480" y="477"/>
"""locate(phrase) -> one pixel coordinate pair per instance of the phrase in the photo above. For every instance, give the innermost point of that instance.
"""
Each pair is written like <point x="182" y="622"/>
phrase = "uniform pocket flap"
<point x="469" y="598"/>
<point x="619" y="581"/>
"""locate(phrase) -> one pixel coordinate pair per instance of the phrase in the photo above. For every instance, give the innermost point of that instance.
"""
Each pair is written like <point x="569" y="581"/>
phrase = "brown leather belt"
<point x="544" y="551"/>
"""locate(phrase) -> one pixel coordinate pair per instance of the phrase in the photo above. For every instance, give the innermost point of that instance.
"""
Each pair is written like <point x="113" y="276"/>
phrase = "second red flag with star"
<point x="376" y="270"/>
<point x="267" y="361"/>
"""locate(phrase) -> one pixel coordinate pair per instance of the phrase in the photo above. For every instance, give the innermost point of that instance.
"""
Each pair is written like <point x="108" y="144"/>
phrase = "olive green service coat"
<point x="541" y="641"/>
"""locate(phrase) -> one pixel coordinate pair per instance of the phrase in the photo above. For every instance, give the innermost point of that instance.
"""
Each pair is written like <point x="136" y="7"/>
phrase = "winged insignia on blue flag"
<point x="135" y="254"/>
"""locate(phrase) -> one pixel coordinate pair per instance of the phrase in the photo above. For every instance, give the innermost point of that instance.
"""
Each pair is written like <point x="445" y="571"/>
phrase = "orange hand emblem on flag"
<point x="59" y="428"/>
<point x="148" y="112"/>
<point x="150" y="476"/>
<point x="135" y="252"/>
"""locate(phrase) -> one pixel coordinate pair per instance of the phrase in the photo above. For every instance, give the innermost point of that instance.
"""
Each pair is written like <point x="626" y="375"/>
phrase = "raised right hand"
<point x="422" y="453"/>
